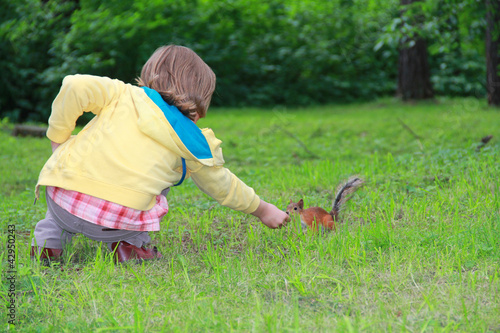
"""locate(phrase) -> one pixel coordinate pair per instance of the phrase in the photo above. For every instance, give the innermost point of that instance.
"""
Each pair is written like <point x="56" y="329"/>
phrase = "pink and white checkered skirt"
<point x="109" y="214"/>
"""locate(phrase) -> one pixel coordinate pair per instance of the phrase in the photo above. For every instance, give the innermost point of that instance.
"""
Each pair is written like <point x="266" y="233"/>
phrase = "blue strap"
<point x="183" y="172"/>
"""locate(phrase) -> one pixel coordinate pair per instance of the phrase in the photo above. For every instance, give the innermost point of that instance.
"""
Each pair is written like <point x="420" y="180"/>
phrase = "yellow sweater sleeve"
<point x="222" y="185"/>
<point x="78" y="94"/>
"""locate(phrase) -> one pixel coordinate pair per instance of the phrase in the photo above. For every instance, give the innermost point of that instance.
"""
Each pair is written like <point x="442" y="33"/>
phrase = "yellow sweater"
<point x="129" y="152"/>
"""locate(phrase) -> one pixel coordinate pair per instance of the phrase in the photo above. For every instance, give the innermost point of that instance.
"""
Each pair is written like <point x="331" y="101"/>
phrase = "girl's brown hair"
<point x="181" y="77"/>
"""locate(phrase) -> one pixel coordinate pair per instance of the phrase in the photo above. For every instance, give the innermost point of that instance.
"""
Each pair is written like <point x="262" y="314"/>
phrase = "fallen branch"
<point x="29" y="130"/>
<point x="415" y="135"/>
<point x="293" y="136"/>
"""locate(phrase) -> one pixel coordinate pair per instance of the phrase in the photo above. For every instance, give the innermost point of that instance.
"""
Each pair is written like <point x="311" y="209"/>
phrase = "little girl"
<point x="109" y="182"/>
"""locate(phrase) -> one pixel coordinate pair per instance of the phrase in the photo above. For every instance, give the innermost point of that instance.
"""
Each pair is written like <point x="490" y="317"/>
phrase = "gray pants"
<point x="59" y="226"/>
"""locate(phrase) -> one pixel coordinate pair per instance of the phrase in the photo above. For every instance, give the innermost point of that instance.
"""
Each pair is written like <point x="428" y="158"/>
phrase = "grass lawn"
<point x="418" y="249"/>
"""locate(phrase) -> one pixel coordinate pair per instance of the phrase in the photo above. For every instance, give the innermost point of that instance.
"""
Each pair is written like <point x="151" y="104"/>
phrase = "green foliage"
<point x="264" y="53"/>
<point x="278" y="54"/>
<point x="26" y="41"/>
<point x="457" y="53"/>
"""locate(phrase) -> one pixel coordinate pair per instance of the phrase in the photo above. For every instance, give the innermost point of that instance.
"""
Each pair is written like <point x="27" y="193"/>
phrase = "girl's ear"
<point x="301" y="204"/>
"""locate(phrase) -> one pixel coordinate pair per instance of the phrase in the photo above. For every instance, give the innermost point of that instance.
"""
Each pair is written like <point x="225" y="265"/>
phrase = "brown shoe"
<point x="125" y="252"/>
<point x="46" y="254"/>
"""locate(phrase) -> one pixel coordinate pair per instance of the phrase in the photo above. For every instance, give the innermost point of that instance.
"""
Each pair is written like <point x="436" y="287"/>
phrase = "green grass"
<point x="418" y="251"/>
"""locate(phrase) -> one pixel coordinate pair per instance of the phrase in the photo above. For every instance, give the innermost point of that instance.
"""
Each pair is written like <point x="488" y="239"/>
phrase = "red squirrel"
<point x="317" y="218"/>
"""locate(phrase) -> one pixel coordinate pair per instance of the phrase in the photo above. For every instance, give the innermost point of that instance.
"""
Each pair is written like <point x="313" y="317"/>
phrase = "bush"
<point x="25" y="38"/>
<point x="263" y="53"/>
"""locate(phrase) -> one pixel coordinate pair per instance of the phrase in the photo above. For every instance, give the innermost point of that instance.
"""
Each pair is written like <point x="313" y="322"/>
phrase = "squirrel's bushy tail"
<point x="343" y="194"/>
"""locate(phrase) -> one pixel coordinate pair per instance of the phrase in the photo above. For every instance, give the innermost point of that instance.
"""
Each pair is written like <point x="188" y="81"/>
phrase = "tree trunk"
<point x="492" y="58"/>
<point x="414" y="81"/>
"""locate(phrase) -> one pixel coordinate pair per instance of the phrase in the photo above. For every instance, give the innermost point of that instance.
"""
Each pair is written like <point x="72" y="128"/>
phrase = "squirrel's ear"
<point x="301" y="203"/>
<point x="291" y="201"/>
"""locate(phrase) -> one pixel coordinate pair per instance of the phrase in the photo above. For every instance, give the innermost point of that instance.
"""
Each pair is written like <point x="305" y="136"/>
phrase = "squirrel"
<point x="316" y="217"/>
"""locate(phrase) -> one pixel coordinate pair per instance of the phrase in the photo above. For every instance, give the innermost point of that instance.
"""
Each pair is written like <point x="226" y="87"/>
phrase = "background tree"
<point x="414" y="81"/>
<point x="492" y="55"/>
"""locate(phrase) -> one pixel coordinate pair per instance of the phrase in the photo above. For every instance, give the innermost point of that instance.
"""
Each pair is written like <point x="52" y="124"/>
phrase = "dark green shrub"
<point x="263" y="53"/>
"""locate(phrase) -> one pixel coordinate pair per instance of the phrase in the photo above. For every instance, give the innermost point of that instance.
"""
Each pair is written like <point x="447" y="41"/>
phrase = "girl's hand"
<point x="54" y="145"/>
<point x="271" y="216"/>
